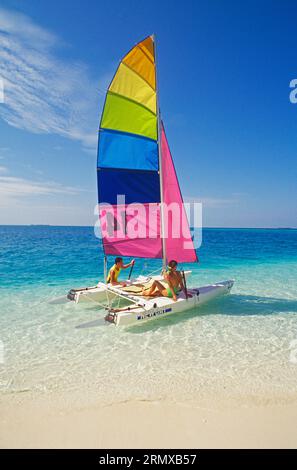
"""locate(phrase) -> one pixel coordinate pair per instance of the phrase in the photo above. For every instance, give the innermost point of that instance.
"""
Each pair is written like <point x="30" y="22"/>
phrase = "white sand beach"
<point x="139" y="424"/>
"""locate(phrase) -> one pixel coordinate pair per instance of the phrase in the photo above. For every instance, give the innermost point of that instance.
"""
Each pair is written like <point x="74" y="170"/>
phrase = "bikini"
<point x="168" y="289"/>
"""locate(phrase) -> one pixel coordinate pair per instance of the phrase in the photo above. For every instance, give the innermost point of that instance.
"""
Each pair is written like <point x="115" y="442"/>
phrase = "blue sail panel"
<point x="136" y="186"/>
<point x="126" y="151"/>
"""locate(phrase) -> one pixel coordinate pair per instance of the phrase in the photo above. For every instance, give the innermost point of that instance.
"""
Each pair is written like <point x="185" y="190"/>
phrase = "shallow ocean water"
<point x="239" y="347"/>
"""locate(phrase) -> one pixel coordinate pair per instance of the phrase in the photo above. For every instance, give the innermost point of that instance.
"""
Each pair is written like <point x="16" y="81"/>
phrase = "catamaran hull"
<point x="141" y="309"/>
<point x="98" y="293"/>
<point x="163" y="306"/>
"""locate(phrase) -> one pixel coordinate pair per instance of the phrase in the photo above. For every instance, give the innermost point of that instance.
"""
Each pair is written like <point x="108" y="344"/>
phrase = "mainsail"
<point x="135" y="171"/>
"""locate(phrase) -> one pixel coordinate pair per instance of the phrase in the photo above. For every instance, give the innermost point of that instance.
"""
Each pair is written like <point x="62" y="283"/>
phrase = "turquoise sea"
<point x="240" y="347"/>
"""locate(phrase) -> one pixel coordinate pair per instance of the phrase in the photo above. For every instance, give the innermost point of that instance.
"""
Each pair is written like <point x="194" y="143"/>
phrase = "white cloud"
<point x="28" y="201"/>
<point x="14" y="190"/>
<point x="21" y="26"/>
<point x="25" y="201"/>
<point x="42" y="93"/>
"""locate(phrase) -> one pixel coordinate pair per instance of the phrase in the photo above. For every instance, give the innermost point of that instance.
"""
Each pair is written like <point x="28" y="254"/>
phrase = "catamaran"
<point x="136" y="183"/>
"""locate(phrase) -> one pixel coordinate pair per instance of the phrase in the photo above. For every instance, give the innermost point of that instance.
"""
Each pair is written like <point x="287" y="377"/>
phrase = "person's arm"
<point x="125" y="266"/>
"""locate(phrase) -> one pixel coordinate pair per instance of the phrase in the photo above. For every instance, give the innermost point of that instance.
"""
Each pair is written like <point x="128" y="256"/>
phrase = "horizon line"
<point x="206" y="227"/>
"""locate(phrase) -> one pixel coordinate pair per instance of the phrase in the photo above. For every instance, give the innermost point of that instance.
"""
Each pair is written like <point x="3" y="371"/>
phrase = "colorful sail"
<point x="128" y="162"/>
<point x="128" y="172"/>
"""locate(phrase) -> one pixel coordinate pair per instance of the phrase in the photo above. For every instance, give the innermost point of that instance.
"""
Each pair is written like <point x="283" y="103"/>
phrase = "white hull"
<point x="98" y="293"/>
<point x="144" y="309"/>
<point x="163" y="306"/>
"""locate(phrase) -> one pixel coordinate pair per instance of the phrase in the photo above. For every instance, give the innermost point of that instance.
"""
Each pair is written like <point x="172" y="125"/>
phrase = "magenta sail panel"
<point x="179" y="244"/>
<point x="131" y="230"/>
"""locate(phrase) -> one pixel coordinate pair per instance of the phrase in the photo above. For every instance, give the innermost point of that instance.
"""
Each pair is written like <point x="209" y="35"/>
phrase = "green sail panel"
<point x="122" y="114"/>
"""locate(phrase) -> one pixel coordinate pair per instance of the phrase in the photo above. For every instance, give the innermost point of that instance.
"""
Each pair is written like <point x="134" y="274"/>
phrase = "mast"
<point x="164" y="258"/>
<point x="105" y="266"/>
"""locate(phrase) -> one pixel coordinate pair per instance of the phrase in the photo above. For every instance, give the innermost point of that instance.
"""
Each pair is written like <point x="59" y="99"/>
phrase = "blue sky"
<point x="224" y="74"/>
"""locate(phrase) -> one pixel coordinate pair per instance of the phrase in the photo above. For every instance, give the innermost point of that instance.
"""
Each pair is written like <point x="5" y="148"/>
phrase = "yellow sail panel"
<point x="122" y="114"/>
<point x="131" y="85"/>
<point x="140" y="60"/>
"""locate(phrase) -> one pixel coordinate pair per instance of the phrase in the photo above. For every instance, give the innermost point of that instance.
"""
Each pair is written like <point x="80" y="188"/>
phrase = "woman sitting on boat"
<point x="174" y="280"/>
<point x="115" y="270"/>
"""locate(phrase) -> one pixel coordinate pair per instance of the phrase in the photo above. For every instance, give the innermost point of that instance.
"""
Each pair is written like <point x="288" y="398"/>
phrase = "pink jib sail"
<point x="179" y="244"/>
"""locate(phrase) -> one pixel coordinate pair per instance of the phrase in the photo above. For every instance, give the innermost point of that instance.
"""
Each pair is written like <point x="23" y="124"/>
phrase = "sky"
<point x="224" y="70"/>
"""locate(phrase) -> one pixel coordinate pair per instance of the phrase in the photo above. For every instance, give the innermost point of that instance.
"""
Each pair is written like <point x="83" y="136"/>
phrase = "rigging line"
<point x="153" y="272"/>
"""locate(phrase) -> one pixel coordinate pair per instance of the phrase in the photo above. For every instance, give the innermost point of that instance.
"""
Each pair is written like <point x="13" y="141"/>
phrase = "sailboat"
<point x="137" y="181"/>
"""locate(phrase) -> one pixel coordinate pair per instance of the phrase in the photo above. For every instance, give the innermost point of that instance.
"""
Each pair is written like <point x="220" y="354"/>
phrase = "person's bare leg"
<point x="156" y="289"/>
<point x="149" y="292"/>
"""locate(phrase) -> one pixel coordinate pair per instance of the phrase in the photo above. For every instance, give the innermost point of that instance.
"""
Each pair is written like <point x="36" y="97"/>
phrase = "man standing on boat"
<point x="175" y="284"/>
<point x="115" y="270"/>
